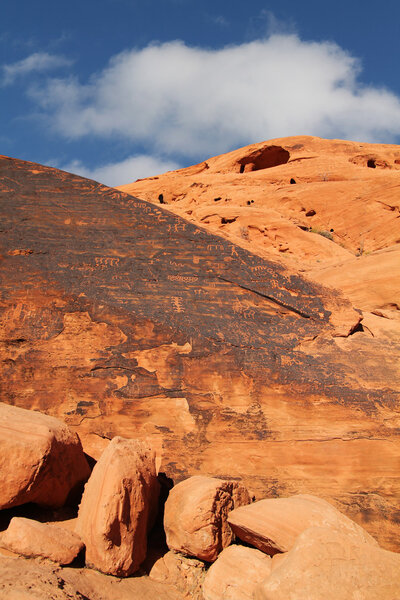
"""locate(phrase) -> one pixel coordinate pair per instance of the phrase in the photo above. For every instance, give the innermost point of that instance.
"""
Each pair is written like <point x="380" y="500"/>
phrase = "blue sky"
<point x="121" y="89"/>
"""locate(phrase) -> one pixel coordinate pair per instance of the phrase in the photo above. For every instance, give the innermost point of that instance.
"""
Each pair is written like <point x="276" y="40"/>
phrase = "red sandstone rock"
<point x="195" y="515"/>
<point x="29" y="579"/>
<point x="329" y="564"/>
<point x="273" y="525"/>
<point x="33" y="539"/>
<point x="118" y="505"/>
<point x="41" y="460"/>
<point x="186" y="574"/>
<point x="236" y="573"/>
<point x="223" y="355"/>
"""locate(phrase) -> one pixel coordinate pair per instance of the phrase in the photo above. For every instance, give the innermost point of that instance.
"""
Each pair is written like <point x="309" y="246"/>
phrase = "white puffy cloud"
<point x="119" y="173"/>
<point x="180" y="101"/>
<point x="36" y="62"/>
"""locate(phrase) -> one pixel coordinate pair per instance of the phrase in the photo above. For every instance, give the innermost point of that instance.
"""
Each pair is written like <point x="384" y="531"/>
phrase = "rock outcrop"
<point x="125" y="319"/>
<point x="118" y="506"/>
<point x="196" y="511"/>
<point x="327" y="563"/>
<point x="41" y="459"/>
<point x="236" y="574"/>
<point x="273" y="525"/>
<point x="33" y="539"/>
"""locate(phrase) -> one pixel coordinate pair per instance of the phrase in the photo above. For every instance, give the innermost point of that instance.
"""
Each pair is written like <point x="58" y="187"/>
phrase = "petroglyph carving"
<point x="108" y="261"/>
<point x="177" y="304"/>
<point x="183" y="278"/>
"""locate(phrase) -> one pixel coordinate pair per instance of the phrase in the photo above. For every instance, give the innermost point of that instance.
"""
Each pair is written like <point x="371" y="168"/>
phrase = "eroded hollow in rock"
<point x="371" y="163"/>
<point x="271" y="156"/>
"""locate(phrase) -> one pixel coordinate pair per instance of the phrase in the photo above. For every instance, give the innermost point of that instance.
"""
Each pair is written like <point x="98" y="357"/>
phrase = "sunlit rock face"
<point x="124" y="319"/>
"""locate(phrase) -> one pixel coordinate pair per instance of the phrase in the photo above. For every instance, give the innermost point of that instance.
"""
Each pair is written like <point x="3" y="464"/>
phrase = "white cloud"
<point x="36" y="62"/>
<point x="181" y="101"/>
<point x="126" y="171"/>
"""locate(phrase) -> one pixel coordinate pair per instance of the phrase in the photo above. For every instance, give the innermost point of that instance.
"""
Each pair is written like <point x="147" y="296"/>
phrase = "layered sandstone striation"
<point x="125" y="319"/>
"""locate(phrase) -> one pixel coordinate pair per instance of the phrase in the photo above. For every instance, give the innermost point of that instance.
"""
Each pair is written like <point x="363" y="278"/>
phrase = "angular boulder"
<point x="41" y="459"/>
<point x="328" y="563"/>
<point x="272" y="525"/>
<point x="33" y="539"/>
<point x="196" y="511"/>
<point x="236" y="573"/>
<point x="118" y="506"/>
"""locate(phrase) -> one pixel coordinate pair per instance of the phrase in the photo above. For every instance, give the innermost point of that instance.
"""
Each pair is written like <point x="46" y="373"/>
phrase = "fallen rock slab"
<point x="41" y="459"/>
<point x="272" y="525"/>
<point x="236" y="573"/>
<point x="118" y="505"/>
<point x="328" y="563"/>
<point x="196" y="511"/>
<point x="33" y="539"/>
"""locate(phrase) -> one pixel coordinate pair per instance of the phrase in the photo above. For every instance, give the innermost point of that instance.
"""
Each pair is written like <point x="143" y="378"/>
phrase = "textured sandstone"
<point x="195" y="515"/>
<point x="122" y="318"/>
<point x="41" y="459"/>
<point x="272" y="525"/>
<point x="118" y="506"/>
<point x="33" y="539"/>
<point x="24" y="579"/>
<point x="236" y="573"/>
<point x="186" y="574"/>
<point x="329" y="564"/>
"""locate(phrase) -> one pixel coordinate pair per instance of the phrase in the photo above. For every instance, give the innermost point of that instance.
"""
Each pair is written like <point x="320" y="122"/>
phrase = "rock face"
<point x="196" y="511"/>
<point x="41" y="459"/>
<point x="326" y="563"/>
<point x="118" y="506"/>
<point x="236" y="574"/>
<point x="273" y="525"/>
<point x="33" y="539"/>
<point x="124" y="319"/>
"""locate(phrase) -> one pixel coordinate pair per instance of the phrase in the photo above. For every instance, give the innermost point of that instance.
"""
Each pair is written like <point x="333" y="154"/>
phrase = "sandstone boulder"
<point x="118" y="505"/>
<point x="41" y="459"/>
<point x="328" y="563"/>
<point x="236" y="573"/>
<point x="272" y="525"/>
<point x="33" y="539"/>
<point x="186" y="574"/>
<point x="196" y="512"/>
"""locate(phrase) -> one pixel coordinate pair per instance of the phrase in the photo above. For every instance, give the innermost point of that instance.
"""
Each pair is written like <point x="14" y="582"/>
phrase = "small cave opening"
<point x="265" y="158"/>
<point x="161" y="199"/>
<point x="357" y="329"/>
<point x="225" y="220"/>
<point x="371" y="163"/>
<point x="292" y="181"/>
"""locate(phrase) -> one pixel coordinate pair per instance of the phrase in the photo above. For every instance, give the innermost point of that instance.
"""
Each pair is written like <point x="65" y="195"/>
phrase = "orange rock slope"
<point x="125" y="319"/>
<point x="328" y="208"/>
